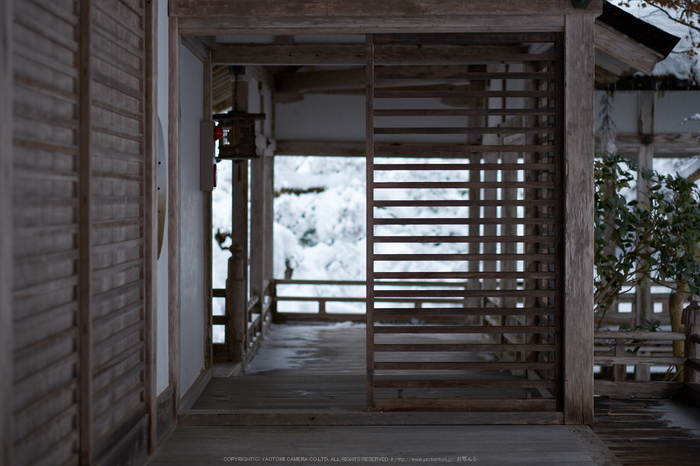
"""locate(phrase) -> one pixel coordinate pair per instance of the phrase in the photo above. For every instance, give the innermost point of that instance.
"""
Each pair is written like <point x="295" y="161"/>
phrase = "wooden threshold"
<point x="207" y="417"/>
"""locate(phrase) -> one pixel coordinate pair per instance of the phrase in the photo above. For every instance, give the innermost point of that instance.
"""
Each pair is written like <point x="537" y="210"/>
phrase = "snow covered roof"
<point x="626" y="45"/>
<point x="677" y="63"/>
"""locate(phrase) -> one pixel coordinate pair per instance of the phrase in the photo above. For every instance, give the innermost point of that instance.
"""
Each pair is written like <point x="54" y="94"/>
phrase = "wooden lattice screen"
<point x="479" y="203"/>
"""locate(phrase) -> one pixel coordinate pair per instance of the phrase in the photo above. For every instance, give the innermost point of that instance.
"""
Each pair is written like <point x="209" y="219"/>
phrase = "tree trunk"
<point x="675" y="307"/>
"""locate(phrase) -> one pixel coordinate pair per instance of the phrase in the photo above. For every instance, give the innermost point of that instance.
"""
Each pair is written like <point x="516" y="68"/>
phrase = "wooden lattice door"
<point x="464" y="215"/>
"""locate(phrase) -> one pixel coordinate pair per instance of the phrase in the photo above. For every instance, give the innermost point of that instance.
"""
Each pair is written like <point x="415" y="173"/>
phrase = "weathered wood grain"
<point x="6" y="233"/>
<point x="367" y="8"/>
<point x="484" y="405"/>
<point x="300" y="25"/>
<point x="578" y="229"/>
<point x="369" y="154"/>
<point x="622" y="47"/>
<point x="645" y="389"/>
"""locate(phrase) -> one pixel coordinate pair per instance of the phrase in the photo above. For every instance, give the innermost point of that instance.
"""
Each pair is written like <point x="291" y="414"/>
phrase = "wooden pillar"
<point x="236" y="306"/>
<point x="578" y="218"/>
<point x="237" y="291"/>
<point x="6" y="267"/>
<point x="691" y="321"/>
<point x="644" y="307"/>
<point x="369" y="154"/>
<point x="269" y="213"/>
<point x="207" y="216"/>
<point x="237" y="309"/>
<point x="475" y="194"/>
<point x="84" y="233"/>
<point x="645" y="160"/>
<point x="491" y="211"/>
<point x="150" y="214"/>
<point x="174" y="209"/>
<point x="258" y="194"/>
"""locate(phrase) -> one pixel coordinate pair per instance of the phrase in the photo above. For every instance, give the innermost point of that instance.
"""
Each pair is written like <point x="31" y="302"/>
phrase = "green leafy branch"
<point x="653" y="238"/>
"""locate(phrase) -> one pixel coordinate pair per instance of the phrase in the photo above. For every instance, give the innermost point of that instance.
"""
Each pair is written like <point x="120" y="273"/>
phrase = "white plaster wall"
<point x="162" y="368"/>
<point x="191" y="229"/>
<point x="338" y="118"/>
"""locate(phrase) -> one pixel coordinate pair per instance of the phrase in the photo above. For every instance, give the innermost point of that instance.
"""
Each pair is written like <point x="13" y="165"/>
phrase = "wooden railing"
<point x="322" y="313"/>
<point x="257" y="318"/>
<point x="615" y="351"/>
<point x="245" y="320"/>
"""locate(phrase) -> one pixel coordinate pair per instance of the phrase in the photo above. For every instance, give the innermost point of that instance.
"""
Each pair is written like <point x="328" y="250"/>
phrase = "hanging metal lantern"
<point x="238" y="140"/>
<point x="237" y="128"/>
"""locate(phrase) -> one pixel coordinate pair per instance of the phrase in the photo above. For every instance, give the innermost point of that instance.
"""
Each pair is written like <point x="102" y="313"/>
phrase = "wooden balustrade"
<point x="611" y="347"/>
<point x="616" y="349"/>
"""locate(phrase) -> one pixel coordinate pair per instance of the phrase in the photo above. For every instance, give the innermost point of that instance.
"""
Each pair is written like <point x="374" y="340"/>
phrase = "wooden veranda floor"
<point x="303" y="399"/>
<point x="322" y="367"/>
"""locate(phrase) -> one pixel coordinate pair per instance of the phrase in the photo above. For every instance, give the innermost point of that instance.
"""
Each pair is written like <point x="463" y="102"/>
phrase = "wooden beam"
<point x="354" y="54"/>
<point x="578" y="219"/>
<point x="625" y="49"/>
<point x="678" y="145"/>
<point x="637" y="389"/>
<point x="211" y="417"/>
<point x="6" y="266"/>
<point x="174" y="209"/>
<point x="84" y="234"/>
<point x="300" y="25"/>
<point x="317" y="81"/>
<point x="200" y="46"/>
<point x="362" y="9"/>
<point x="354" y="79"/>
<point x="150" y="218"/>
<point x="321" y="148"/>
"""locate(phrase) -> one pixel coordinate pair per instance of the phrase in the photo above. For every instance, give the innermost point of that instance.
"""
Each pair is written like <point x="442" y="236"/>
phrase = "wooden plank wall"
<point x="117" y="228"/>
<point x="6" y="269"/>
<point x="46" y="234"/>
<point x="81" y="189"/>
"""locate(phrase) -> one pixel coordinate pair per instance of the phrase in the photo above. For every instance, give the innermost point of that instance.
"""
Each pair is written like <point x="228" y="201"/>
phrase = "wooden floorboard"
<point x="649" y="432"/>
<point x="302" y="400"/>
<point x="490" y="445"/>
<point x="312" y="368"/>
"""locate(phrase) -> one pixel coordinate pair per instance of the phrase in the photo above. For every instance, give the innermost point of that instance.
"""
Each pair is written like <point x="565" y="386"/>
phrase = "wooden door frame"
<point x="204" y="18"/>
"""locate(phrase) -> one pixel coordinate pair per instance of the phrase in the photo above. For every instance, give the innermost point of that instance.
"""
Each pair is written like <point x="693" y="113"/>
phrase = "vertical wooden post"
<point x="645" y="159"/>
<point x="174" y="209"/>
<point x="6" y="267"/>
<point x="369" y="154"/>
<point x="237" y="310"/>
<point x="84" y="230"/>
<point x="691" y="320"/>
<point x="207" y="228"/>
<point x="619" y="370"/>
<point x="578" y="218"/>
<point x="150" y="214"/>
<point x="269" y="221"/>
<point x="236" y="306"/>
<point x="644" y="307"/>
<point x="258" y="194"/>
